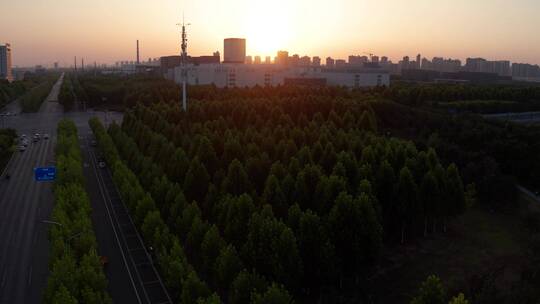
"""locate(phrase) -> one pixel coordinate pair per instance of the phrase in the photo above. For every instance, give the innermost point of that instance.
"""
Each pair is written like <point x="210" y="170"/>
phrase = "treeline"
<point x="31" y="101"/>
<point x="313" y="191"/>
<point x="124" y="91"/>
<point x="9" y="91"/>
<point x="66" y="95"/>
<point x="422" y="94"/>
<point x="76" y="272"/>
<point x="488" y="106"/>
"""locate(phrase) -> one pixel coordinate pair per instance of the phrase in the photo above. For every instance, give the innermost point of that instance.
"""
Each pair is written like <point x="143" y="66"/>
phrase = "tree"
<point x="273" y="196"/>
<point x="459" y="299"/>
<point x="62" y="296"/>
<point x="355" y="232"/>
<point x="368" y="122"/>
<point x="455" y="193"/>
<point x="236" y="182"/>
<point x="275" y="294"/>
<point x="196" y="181"/>
<point x="210" y="248"/>
<point x="193" y="289"/>
<point x="407" y="196"/>
<point x="244" y="285"/>
<point x="227" y="266"/>
<point x="431" y="292"/>
<point x="429" y="197"/>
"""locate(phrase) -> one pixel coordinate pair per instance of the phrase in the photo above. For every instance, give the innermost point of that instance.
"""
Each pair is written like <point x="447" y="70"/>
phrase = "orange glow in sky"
<point x="45" y="31"/>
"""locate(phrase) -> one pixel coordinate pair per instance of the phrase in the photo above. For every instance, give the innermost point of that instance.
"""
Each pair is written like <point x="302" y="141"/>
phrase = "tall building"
<point x="330" y="62"/>
<point x="316" y="61"/>
<point x="418" y="61"/>
<point x="257" y="60"/>
<point x="267" y="60"/>
<point x="234" y="50"/>
<point x="305" y="61"/>
<point x="282" y="58"/>
<point x="5" y="62"/>
<point x="249" y="60"/>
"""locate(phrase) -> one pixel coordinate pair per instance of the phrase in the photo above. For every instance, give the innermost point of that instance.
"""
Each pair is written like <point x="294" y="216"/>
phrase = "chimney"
<point x="138" y="52"/>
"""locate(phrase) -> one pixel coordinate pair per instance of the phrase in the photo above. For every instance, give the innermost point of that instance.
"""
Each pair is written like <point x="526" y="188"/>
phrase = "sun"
<point x="267" y="29"/>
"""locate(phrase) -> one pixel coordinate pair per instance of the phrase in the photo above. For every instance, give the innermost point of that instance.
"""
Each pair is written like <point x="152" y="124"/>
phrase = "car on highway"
<point x="93" y="143"/>
<point x="22" y="148"/>
<point x="45" y="136"/>
<point x="24" y="142"/>
<point x="101" y="164"/>
<point x="23" y="136"/>
<point x="35" y="139"/>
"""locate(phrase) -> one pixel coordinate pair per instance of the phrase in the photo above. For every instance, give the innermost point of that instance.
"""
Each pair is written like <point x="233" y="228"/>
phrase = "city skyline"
<point x="105" y="31"/>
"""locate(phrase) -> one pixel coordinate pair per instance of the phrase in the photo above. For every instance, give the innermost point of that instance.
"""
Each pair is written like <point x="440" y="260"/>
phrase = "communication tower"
<point x="183" y="56"/>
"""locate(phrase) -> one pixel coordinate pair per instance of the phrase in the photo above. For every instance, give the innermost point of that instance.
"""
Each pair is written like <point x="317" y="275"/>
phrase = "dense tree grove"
<point x="76" y="273"/>
<point x="7" y="140"/>
<point x="274" y="199"/>
<point x="66" y="96"/>
<point x="10" y="91"/>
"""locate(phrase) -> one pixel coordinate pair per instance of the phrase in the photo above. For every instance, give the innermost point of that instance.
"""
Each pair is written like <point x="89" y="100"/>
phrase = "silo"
<point x="234" y="50"/>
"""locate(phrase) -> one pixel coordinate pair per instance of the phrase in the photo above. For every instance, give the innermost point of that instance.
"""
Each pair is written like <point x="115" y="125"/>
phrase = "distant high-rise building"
<point x="268" y="60"/>
<point x="418" y="61"/>
<point x="305" y="61"/>
<point x="234" y="50"/>
<point x="5" y="62"/>
<point x="340" y="63"/>
<point x="294" y="60"/>
<point x="375" y="59"/>
<point x="330" y="62"/>
<point x="384" y="60"/>
<point x="282" y="58"/>
<point x="249" y="60"/>
<point x="56" y="65"/>
<point x="316" y="61"/>
<point x="523" y="70"/>
<point x="358" y="60"/>
<point x="257" y="60"/>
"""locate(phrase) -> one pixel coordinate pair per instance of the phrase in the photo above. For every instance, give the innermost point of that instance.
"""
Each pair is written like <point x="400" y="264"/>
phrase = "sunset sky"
<point x="45" y="31"/>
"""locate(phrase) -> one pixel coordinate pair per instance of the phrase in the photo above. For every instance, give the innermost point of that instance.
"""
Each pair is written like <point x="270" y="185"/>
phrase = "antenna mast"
<point x="183" y="55"/>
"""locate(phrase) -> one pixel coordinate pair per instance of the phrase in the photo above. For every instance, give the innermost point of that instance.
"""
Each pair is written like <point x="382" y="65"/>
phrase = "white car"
<point x="22" y="148"/>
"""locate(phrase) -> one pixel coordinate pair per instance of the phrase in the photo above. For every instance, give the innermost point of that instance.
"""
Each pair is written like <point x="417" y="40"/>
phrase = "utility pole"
<point x="75" y="64"/>
<point x="184" y="65"/>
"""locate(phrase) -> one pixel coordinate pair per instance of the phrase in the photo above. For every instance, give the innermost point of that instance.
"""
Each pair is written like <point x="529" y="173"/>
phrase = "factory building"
<point x="239" y="70"/>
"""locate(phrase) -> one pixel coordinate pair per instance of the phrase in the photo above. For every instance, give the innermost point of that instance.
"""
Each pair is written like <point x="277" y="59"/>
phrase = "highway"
<point x="24" y="204"/>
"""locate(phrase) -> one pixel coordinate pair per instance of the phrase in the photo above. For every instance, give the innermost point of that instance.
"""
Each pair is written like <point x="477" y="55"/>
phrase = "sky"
<point x="105" y="31"/>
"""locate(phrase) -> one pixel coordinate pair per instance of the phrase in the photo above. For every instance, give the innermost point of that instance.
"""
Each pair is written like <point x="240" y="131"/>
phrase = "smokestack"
<point x="137" y="51"/>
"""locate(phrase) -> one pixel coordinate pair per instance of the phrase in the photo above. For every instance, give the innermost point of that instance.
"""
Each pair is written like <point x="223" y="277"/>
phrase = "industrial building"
<point x="5" y="62"/>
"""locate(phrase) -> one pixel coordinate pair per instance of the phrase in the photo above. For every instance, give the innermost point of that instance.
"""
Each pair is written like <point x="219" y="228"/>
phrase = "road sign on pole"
<point x="45" y="174"/>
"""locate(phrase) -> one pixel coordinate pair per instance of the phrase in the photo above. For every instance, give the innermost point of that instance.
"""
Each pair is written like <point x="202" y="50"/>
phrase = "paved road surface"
<point x="24" y="204"/>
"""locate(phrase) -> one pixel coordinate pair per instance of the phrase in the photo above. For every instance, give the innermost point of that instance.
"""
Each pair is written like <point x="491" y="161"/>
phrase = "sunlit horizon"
<point x="42" y="32"/>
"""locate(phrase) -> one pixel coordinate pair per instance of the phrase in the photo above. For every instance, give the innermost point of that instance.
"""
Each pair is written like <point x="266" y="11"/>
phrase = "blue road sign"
<point x="45" y="174"/>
